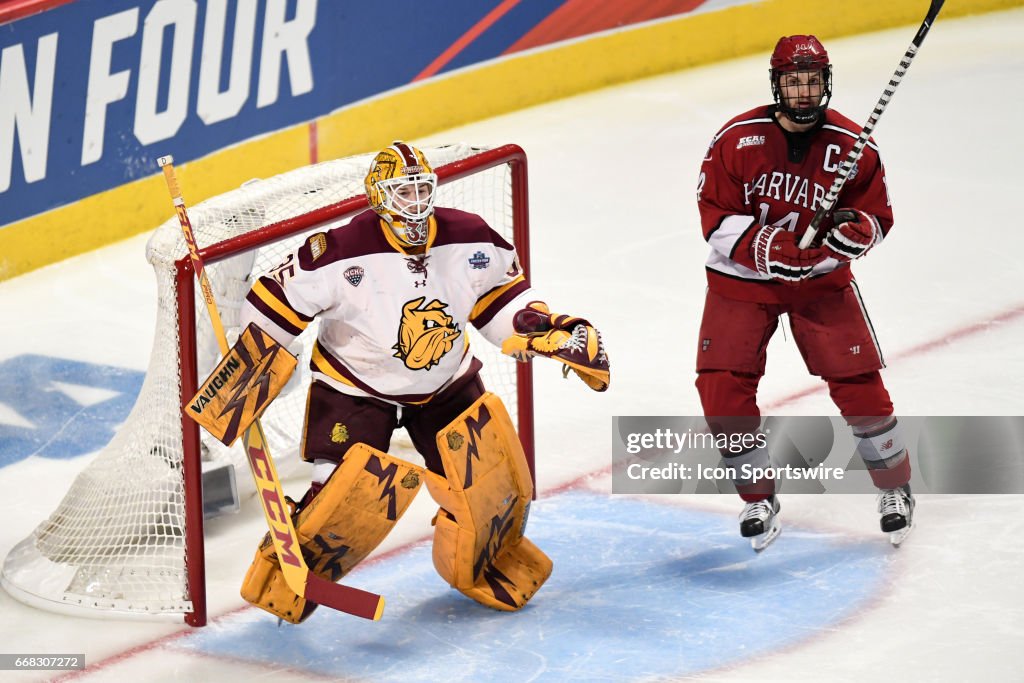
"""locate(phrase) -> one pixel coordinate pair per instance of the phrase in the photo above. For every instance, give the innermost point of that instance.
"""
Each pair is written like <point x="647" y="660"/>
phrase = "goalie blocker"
<point x="240" y="388"/>
<point x="479" y="547"/>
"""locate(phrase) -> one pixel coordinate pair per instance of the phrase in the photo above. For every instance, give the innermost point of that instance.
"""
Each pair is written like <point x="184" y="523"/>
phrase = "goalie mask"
<point x="801" y="78"/>
<point x="400" y="187"/>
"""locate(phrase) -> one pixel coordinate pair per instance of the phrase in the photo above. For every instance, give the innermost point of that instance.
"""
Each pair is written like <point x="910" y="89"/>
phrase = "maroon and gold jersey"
<point x="393" y="324"/>
<point x="757" y="173"/>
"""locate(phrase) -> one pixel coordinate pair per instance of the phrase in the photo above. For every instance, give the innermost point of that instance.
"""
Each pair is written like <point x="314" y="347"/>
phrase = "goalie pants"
<point x="835" y="339"/>
<point x="335" y="421"/>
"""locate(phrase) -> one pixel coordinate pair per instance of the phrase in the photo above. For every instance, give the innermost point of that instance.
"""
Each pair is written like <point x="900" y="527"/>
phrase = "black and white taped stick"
<point x="825" y="208"/>
<point x="268" y="485"/>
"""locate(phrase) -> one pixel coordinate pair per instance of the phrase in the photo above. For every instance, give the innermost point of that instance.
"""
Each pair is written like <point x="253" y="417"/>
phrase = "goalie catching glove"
<point x="236" y="393"/>
<point x="573" y="341"/>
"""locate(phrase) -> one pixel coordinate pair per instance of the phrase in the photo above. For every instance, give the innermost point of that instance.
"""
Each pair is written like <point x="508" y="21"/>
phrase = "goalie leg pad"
<point x="236" y="393"/>
<point x="356" y="509"/>
<point x="479" y="547"/>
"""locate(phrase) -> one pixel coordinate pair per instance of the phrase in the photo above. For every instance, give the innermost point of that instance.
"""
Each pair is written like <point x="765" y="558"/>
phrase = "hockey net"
<point x="127" y="538"/>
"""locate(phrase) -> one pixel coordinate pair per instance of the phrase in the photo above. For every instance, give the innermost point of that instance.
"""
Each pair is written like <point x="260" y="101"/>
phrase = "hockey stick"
<point x="825" y="208"/>
<point x="286" y="542"/>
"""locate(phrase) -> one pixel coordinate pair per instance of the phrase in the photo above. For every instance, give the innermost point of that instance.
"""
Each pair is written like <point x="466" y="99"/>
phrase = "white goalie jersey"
<point x="392" y="324"/>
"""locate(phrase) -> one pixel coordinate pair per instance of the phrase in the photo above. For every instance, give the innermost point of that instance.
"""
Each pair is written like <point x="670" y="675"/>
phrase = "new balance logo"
<point x="886" y="446"/>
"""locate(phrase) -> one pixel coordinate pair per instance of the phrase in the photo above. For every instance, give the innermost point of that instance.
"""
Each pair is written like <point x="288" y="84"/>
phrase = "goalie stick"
<point x="286" y="543"/>
<point x="825" y="208"/>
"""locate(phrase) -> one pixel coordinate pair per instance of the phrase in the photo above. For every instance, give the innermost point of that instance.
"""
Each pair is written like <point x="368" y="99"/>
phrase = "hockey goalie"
<point x="394" y="291"/>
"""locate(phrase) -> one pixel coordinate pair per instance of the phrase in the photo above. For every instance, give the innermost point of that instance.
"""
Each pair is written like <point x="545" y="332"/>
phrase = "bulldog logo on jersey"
<point x="425" y="334"/>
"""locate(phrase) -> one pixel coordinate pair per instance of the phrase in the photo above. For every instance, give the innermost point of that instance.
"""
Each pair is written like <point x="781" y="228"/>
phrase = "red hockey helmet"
<point x="796" y="54"/>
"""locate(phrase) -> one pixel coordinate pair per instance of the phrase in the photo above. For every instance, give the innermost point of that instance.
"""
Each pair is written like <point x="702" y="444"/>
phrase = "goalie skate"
<point x="897" y="509"/>
<point x="760" y="522"/>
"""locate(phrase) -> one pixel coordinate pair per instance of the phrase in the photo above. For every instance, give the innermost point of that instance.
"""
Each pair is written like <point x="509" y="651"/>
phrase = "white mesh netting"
<point x="116" y="541"/>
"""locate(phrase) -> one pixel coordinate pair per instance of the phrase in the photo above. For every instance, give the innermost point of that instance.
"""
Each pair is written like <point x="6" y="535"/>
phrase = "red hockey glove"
<point x="776" y="254"/>
<point x="855" y="232"/>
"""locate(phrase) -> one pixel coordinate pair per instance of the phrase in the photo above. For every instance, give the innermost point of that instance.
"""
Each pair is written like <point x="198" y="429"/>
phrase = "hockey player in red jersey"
<point x="763" y="176"/>
<point x="395" y="290"/>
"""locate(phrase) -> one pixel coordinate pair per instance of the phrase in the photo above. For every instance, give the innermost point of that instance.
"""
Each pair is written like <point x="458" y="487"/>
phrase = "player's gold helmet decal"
<point x="425" y="334"/>
<point x="400" y="187"/>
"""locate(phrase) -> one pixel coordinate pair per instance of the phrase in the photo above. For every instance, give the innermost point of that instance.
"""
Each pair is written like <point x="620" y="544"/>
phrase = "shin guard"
<point x="339" y="527"/>
<point x="479" y="547"/>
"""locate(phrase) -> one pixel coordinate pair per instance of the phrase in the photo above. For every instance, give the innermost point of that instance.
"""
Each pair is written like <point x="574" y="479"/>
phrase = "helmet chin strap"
<point x="803" y="117"/>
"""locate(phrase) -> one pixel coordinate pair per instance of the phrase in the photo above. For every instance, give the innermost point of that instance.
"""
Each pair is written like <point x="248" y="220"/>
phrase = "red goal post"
<point x="127" y="540"/>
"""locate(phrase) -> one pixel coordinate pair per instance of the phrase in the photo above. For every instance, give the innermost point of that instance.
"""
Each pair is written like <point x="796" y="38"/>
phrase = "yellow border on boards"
<point x="497" y="87"/>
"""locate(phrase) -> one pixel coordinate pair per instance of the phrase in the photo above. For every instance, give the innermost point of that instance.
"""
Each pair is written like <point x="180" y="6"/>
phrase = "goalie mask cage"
<point x="127" y="539"/>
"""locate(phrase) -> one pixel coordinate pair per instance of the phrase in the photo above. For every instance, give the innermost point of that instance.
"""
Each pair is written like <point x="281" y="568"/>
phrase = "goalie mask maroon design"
<point x="801" y="77"/>
<point x="400" y="187"/>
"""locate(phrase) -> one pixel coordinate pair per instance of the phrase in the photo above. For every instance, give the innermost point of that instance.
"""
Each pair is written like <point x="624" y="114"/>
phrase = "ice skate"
<point x="897" y="509"/>
<point x="760" y="522"/>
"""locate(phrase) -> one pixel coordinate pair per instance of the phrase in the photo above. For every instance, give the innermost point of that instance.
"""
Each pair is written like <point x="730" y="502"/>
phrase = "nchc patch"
<point x="354" y="275"/>
<point x="318" y="245"/>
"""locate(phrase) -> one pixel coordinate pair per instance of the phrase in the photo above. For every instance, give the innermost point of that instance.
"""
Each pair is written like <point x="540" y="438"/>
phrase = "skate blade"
<point x="762" y="541"/>
<point x="900" y="535"/>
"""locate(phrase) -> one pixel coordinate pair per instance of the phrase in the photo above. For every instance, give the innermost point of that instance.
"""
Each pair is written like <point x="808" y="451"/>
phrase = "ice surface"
<point x="662" y="586"/>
